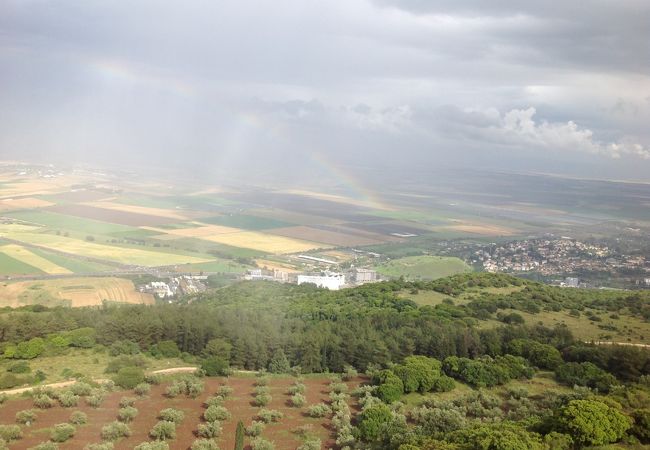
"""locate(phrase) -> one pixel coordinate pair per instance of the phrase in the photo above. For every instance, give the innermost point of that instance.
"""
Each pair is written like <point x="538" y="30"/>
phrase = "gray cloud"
<point x="504" y="82"/>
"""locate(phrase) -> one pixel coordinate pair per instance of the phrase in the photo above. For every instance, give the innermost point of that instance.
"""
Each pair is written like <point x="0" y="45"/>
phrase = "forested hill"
<point x="321" y="330"/>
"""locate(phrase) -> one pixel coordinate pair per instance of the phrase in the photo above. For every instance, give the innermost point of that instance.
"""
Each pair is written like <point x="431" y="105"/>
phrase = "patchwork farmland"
<point x="90" y="223"/>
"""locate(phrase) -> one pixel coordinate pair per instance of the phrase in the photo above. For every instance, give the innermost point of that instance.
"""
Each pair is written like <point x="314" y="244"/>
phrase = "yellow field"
<point x="72" y="291"/>
<point x="24" y="255"/>
<point x="265" y="242"/>
<point x="132" y="256"/>
<point x="169" y="213"/>
<point x="23" y="203"/>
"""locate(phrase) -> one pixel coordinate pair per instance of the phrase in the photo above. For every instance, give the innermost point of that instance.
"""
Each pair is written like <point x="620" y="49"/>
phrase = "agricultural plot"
<point x="73" y="292"/>
<point x="329" y="237"/>
<point x="423" y="267"/>
<point x="72" y="263"/>
<point x="28" y="257"/>
<point x="143" y="210"/>
<point x="11" y="266"/>
<point x="122" y="255"/>
<point x="387" y="228"/>
<point x="196" y="232"/>
<point x="9" y="204"/>
<point x="484" y="229"/>
<point x="265" y="242"/>
<point x="113" y="216"/>
<point x="56" y="221"/>
<point x="287" y="433"/>
<point x="247" y="222"/>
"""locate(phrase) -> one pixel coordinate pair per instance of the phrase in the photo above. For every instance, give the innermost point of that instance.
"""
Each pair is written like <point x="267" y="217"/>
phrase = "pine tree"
<point x="239" y="436"/>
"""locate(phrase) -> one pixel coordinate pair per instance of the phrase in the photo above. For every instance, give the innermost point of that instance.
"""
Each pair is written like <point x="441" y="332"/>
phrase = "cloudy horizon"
<point x="549" y="88"/>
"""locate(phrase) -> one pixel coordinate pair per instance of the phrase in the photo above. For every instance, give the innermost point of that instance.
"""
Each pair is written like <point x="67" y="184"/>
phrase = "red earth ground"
<point x="240" y="404"/>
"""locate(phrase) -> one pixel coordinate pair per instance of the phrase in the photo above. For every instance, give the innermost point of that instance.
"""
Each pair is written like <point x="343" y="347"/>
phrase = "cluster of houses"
<point x="183" y="284"/>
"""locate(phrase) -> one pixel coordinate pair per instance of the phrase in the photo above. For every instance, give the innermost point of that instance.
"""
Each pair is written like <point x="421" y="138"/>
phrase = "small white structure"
<point x="331" y="281"/>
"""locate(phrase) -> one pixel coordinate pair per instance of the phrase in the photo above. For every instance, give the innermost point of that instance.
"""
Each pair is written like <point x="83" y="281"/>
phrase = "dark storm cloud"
<point x="224" y="84"/>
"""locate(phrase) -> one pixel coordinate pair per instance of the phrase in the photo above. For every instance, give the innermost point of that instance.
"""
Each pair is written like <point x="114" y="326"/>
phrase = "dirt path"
<point x="630" y="344"/>
<point x="62" y="384"/>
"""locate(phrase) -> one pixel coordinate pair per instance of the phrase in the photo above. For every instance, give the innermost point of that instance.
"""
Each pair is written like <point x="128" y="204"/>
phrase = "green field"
<point x="423" y="267"/>
<point x="247" y="222"/>
<point x="64" y="222"/>
<point x="11" y="266"/>
<point x="73" y="264"/>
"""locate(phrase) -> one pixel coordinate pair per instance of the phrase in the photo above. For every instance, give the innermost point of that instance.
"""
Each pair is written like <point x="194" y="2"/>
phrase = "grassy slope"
<point x="423" y="267"/>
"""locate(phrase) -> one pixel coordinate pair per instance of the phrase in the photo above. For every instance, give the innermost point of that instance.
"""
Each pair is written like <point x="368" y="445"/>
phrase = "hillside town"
<point x="559" y="257"/>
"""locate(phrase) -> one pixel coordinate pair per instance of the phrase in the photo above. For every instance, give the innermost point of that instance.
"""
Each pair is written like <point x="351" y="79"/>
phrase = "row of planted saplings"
<point x="45" y="398"/>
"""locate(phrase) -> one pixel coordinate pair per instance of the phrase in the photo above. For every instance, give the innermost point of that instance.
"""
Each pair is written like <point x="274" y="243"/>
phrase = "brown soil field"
<point x="23" y="203"/>
<point x="111" y="215"/>
<point x="76" y="292"/>
<point x="328" y="237"/>
<point x="239" y="404"/>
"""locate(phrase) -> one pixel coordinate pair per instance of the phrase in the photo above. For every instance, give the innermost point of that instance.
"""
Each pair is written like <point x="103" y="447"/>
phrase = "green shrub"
<point x="269" y="415"/>
<point x="127" y="414"/>
<point x="311" y="444"/>
<point x="204" y="444"/>
<point x="262" y="380"/>
<point x="255" y="428"/>
<point x="44" y="401"/>
<point x="45" y="446"/>
<point x="163" y="430"/>
<point x="298" y="400"/>
<point x="339" y="388"/>
<point x="262" y="444"/>
<point x="20" y="367"/>
<point x="115" y="430"/>
<point x="296" y="388"/>
<point x="214" y="401"/>
<point x="172" y="415"/>
<point x="81" y="389"/>
<point x="100" y="446"/>
<point x="10" y="432"/>
<point x="127" y="401"/>
<point x="9" y="380"/>
<point x="62" y="432"/>
<point x="158" y="445"/>
<point x="262" y="399"/>
<point x="225" y="391"/>
<point x="142" y="389"/>
<point x="26" y="417"/>
<point x="153" y="379"/>
<point x="67" y="399"/>
<point x="129" y="377"/>
<point x="78" y="418"/>
<point x="209" y="429"/>
<point x="319" y="410"/>
<point x="216" y="413"/>
<point x="215" y="366"/>
<point x="349" y="373"/>
<point x="96" y="398"/>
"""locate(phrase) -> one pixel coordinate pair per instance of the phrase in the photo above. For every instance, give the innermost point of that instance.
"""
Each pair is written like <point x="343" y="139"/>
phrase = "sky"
<point x="282" y="86"/>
